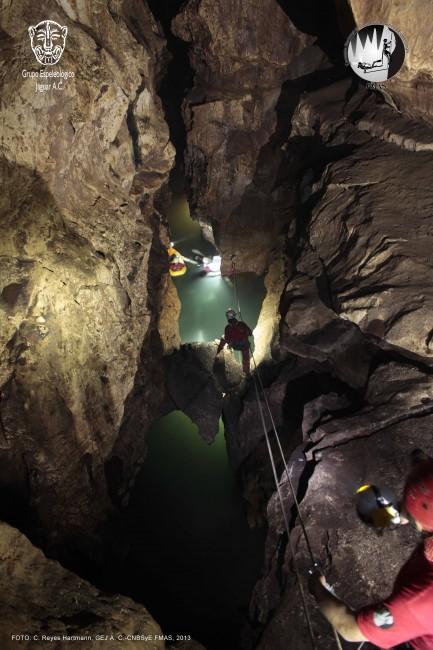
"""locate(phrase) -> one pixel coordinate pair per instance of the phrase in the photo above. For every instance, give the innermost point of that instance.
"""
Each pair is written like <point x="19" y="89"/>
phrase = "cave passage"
<point x="205" y="299"/>
<point x="193" y="559"/>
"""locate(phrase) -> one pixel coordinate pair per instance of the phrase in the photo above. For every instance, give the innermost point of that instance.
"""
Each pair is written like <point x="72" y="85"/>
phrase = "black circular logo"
<point x="375" y="53"/>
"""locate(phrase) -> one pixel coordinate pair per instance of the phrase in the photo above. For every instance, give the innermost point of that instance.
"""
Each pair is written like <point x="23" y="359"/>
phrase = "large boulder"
<point x="196" y="380"/>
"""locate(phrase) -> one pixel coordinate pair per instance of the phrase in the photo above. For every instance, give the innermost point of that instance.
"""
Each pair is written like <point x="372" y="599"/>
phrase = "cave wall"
<point x="359" y="257"/>
<point x="345" y="333"/>
<point x="44" y="603"/>
<point x="372" y="444"/>
<point x="80" y="172"/>
<point x="352" y="393"/>
<point x="336" y="180"/>
<point x="241" y="54"/>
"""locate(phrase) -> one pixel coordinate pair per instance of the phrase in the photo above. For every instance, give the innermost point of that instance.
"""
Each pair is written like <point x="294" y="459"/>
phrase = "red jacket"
<point x="407" y="615"/>
<point x="235" y="334"/>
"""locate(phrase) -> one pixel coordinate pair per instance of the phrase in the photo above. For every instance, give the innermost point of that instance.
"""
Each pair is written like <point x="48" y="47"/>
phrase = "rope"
<point x="286" y="523"/>
<point x="257" y="379"/>
<point x="280" y="448"/>
<point x="235" y="287"/>
<point x="295" y="498"/>
<point x="292" y="489"/>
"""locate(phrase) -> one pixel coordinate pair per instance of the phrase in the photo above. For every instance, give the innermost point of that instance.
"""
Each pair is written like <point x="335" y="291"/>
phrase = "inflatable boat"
<point x="176" y="264"/>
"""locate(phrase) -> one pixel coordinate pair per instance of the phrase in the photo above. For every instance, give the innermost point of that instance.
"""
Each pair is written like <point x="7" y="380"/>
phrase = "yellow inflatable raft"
<point x="177" y="264"/>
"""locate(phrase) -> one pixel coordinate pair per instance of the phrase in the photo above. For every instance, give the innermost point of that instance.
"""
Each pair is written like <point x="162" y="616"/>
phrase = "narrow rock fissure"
<point x="174" y="85"/>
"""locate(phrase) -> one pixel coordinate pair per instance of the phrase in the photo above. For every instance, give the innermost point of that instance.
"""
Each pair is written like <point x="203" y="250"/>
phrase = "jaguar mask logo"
<point x="48" y="40"/>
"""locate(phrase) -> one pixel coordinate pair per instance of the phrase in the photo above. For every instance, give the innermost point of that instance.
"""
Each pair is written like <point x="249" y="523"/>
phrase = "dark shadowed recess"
<point x="175" y="84"/>
<point x="331" y="21"/>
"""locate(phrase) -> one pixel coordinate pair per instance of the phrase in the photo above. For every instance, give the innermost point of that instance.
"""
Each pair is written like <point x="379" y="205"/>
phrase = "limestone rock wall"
<point x="350" y="385"/>
<point x="80" y="170"/>
<point x="241" y="53"/>
<point x="371" y="445"/>
<point x="366" y="231"/>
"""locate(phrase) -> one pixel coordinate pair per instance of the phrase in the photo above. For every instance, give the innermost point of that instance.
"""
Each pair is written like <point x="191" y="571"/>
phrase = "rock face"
<point x="319" y="181"/>
<point x="353" y="371"/>
<point x="196" y="380"/>
<point x="369" y="446"/>
<point x="411" y="89"/>
<point x="353" y="437"/>
<point x="241" y="54"/>
<point x="359" y="259"/>
<point x="80" y="169"/>
<point x="43" y="600"/>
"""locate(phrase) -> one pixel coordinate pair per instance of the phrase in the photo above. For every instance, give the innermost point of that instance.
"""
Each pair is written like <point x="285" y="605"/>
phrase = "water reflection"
<point x="204" y="298"/>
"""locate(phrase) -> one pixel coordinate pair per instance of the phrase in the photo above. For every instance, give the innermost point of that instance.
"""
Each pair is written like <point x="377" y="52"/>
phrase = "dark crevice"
<point x="175" y="84"/>
<point x="387" y="352"/>
<point x="309" y="387"/>
<point x="329" y="21"/>
<point x="414" y="412"/>
<point x="302" y="488"/>
<point x="324" y="288"/>
<point x="132" y="125"/>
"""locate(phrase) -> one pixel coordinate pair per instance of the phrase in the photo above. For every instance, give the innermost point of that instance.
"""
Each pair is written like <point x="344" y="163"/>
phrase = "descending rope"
<point x="258" y="382"/>
<point x="286" y="523"/>
<point x="277" y="438"/>
<point x="280" y="448"/>
<point x="295" y="498"/>
<point x="235" y="287"/>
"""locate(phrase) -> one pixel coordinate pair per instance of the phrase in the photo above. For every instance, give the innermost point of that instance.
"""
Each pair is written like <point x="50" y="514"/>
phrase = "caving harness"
<point x="259" y="389"/>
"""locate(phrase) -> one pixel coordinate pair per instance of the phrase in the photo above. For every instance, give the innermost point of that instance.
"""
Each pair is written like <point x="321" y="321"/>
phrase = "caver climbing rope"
<point x="258" y="384"/>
